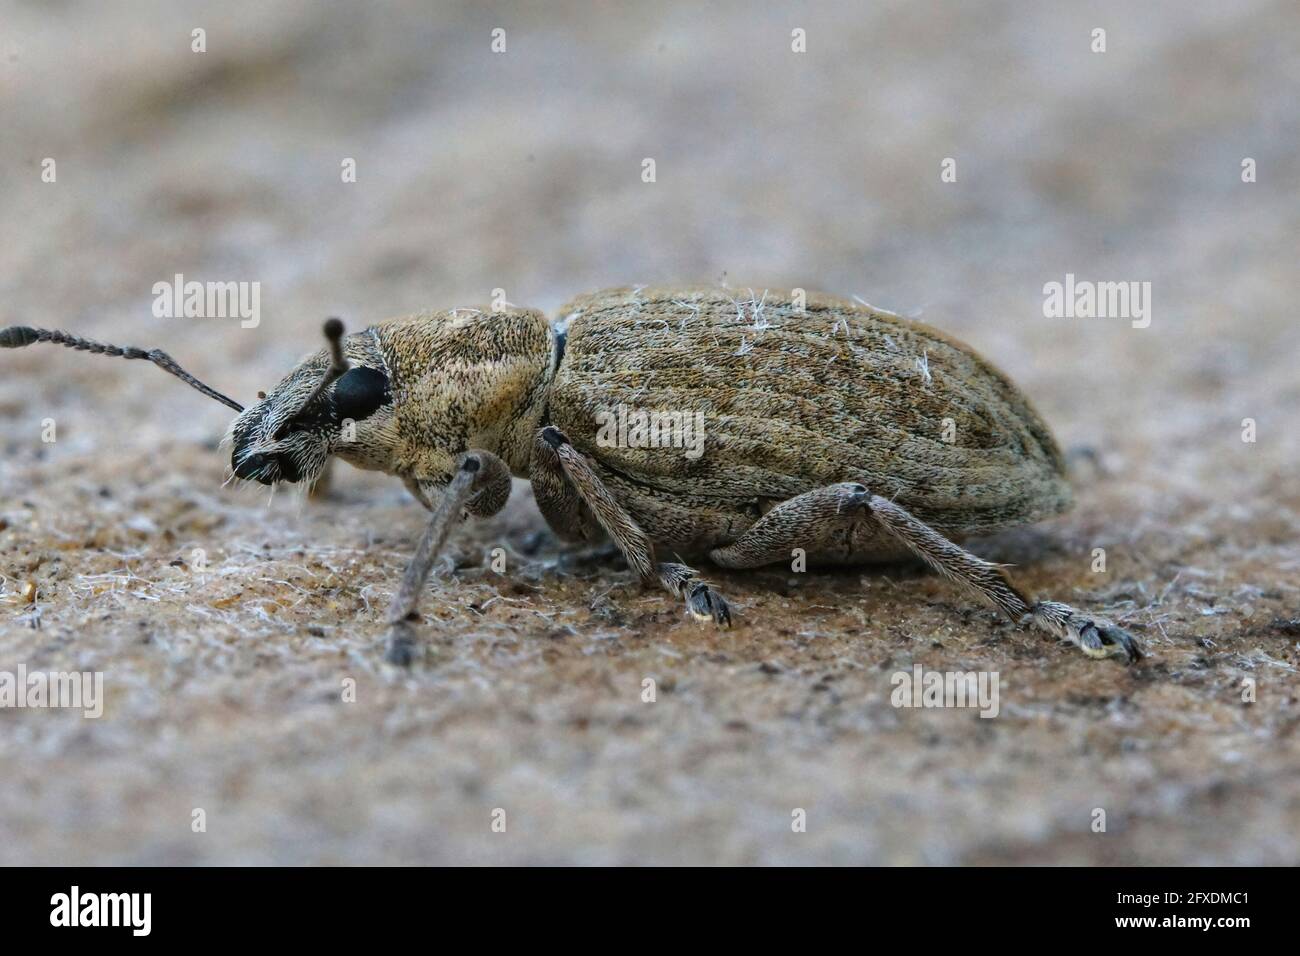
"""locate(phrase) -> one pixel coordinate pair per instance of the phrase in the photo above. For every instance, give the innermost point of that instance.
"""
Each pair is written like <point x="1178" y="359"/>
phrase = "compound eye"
<point x="359" y="392"/>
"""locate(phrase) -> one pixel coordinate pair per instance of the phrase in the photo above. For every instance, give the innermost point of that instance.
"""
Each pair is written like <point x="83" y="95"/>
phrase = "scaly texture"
<point x="793" y="402"/>
<point x="469" y="378"/>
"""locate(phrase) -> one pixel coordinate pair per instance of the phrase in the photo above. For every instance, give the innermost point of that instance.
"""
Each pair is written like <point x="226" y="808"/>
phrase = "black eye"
<point x="359" y="392"/>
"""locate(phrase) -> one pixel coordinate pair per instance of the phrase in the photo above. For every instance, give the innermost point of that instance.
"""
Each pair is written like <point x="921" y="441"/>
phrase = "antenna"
<point x="338" y="364"/>
<point x="18" y="336"/>
<point x="333" y="330"/>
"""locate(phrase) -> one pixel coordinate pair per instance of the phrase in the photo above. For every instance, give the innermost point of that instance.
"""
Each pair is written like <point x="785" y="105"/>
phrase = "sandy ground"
<point x="522" y="171"/>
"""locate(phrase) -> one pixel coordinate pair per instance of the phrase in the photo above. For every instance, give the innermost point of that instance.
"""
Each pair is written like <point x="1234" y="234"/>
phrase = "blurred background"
<point x="522" y="170"/>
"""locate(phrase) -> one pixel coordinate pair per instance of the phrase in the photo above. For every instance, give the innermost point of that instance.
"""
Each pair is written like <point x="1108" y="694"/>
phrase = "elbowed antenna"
<point x="338" y="365"/>
<point x="18" y="336"/>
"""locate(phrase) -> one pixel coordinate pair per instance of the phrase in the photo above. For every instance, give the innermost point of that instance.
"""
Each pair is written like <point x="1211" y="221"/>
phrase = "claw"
<point x="1119" y="638"/>
<point x="706" y="604"/>
<point x="1106" y="640"/>
<point x="401" y="645"/>
<point x="1097" y="639"/>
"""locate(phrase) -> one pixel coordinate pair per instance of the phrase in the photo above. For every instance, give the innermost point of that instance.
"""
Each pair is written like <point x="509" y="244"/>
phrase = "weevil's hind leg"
<point x="1096" y="637"/>
<point x="702" y="601"/>
<point x="810" y="520"/>
<point x="480" y="486"/>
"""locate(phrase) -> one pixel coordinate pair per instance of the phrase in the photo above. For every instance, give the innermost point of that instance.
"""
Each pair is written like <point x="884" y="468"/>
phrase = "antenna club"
<point x="16" y="336"/>
<point x="338" y="362"/>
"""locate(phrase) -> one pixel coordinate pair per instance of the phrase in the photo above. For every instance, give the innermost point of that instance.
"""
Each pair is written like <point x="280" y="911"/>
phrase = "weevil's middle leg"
<point x="830" y="524"/>
<point x="702" y="601"/>
<point x="810" y="520"/>
<point x="480" y="486"/>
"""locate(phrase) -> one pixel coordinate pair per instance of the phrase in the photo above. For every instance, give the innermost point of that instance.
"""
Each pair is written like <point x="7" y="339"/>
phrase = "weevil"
<point x="833" y="432"/>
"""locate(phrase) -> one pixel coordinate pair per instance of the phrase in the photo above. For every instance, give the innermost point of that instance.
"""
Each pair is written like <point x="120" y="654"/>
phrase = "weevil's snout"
<point x="336" y="401"/>
<point x="267" y="469"/>
<point x="256" y="454"/>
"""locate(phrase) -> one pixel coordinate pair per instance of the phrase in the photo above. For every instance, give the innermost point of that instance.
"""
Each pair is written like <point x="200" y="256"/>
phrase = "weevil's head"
<point x="464" y="379"/>
<point x="329" y="403"/>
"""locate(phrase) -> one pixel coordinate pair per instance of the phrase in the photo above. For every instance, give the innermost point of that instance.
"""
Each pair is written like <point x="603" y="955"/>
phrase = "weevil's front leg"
<point x="480" y="486"/>
<point x="702" y="601"/>
<point x="811" y="519"/>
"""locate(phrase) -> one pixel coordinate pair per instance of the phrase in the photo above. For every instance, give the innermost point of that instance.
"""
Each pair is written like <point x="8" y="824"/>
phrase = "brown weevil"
<point x="827" y="431"/>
